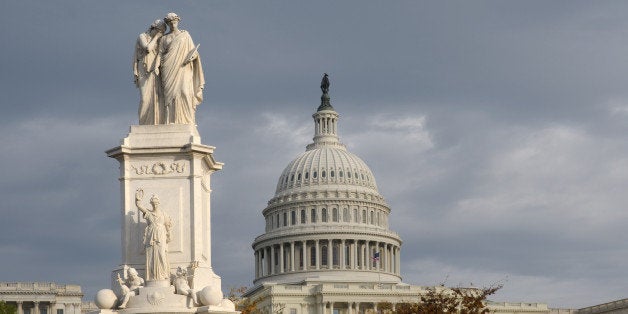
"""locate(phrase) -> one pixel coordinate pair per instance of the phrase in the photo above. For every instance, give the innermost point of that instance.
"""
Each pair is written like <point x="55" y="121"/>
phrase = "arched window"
<point x="355" y="215"/>
<point x="345" y="214"/>
<point x="314" y="175"/>
<point x="277" y="221"/>
<point x="323" y="174"/>
<point x="334" y="214"/>
<point x="293" y="217"/>
<point x="335" y="257"/>
<point x="301" y="257"/>
<point x="324" y="255"/>
<point x="324" y="214"/>
<point x="292" y="177"/>
<point x="364" y="216"/>
<point x="307" y="175"/>
<point x="372" y="219"/>
<point x="303" y="216"/>
<point x="349" y="174"/>
<point x="299" y="177"/>
<point x="313" y="214"/>
<point x="347" y="255"/>
<point x="340" y="173"/>
<point x="331" y="173"/>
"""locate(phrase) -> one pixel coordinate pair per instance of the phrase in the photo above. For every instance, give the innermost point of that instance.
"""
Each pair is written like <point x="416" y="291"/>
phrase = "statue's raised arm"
<point x="139" y="195"/>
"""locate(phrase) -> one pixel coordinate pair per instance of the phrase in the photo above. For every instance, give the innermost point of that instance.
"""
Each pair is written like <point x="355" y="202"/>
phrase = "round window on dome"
<point x="314" y="175"/>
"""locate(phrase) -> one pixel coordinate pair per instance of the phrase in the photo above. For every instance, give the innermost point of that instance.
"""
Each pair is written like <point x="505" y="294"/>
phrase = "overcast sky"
<point x="497" y="132"/>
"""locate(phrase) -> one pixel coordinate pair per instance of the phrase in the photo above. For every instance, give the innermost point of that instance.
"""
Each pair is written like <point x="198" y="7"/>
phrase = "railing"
<point x="619" y="304"/>
<point x="39" y="287"/>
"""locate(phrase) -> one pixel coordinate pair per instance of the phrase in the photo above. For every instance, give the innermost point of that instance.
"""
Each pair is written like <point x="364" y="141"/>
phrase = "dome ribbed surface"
<point x="326" y="165"/>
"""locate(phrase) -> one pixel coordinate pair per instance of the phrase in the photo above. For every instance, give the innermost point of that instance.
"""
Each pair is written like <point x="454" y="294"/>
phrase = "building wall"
<point x="42" y="297"/>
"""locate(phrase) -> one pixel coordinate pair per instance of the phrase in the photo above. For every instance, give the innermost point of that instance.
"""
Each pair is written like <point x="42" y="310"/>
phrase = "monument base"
<point x="157" y="298"/>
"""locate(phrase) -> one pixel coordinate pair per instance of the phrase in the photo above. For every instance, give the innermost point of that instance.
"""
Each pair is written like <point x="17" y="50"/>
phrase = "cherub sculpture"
<point x="129" y="285"/>
<point x="181" y="284"/>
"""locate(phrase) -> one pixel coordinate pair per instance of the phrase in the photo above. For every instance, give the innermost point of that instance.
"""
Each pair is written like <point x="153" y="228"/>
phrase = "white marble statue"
<point x="181" y="74"/>
<point x="182" y="286"/>
<point x="156" y="238"/>
<point x="146" y="72"/>
<point x="129" y="285"/>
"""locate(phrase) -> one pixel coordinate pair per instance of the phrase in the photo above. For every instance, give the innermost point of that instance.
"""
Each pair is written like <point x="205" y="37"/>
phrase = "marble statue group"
<point x="166" y="248"/>
<point x="168" y="73"/>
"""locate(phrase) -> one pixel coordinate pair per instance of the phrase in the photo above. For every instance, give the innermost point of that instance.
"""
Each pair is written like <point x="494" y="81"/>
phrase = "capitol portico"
<point x="42" y="297"/>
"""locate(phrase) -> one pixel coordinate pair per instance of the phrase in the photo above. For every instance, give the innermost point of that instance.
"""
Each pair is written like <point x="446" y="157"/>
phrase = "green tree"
<point x="7" y="308"/>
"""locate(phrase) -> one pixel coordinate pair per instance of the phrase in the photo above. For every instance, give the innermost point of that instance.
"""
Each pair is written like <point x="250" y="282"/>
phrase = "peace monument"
<point x="165" y="189"/>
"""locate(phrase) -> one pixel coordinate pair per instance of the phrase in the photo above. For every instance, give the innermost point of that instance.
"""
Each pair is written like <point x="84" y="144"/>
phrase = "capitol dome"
<point x="327" y="220"/>
<point x="326" y="167"/>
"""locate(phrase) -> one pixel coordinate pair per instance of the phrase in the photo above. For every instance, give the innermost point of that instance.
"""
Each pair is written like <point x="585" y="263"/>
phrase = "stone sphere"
<point x="105" y="299"/>
<point x="227" y="305"/>
<point x="210" y="295"/>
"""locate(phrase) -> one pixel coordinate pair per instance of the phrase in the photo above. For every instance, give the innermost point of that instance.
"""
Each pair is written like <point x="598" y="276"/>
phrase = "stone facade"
<point x="42" y="297"/>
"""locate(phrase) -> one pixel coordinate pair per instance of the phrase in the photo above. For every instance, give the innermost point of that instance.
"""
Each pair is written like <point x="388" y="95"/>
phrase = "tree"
<point x="247" y="305"/>
<point x="7" y="308"/>
<point x="244" y="305"/>
<point x="441" y="300"/>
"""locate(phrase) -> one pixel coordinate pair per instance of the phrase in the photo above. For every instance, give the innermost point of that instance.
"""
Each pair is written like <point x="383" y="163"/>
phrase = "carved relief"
<point x="159" y="168"/>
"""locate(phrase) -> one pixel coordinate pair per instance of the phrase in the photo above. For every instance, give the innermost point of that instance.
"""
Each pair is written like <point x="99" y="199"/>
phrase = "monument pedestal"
<point x="170" y="163"/>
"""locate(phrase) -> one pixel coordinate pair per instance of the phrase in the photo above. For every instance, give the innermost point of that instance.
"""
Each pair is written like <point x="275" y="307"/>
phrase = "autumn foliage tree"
<point x="441" y="300"/>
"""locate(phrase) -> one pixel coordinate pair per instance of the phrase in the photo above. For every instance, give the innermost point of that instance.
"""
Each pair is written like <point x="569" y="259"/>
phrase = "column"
<point x="368" y="255"/>
<point x="67" y="308"/>
<point x="77" y="308"/>
<point x="281" y="258"/>
<point x="51" y="308"/>
<point x="256" y="264"/>
<point x="398" y="259"/>
<point x="318" y="257"/>
<point x="357" y="307"/>
<point x="292" y="256"/>
<point x="331" y="307"/>
<point x="342" y="252"/>
<point x="304" y="255"/>
<point x="36" y="307"/>
<point x="20" y="310"/>
<point x="378" y="262"/>
<point x="272" y="259"/>
<point x="330" y="249"/>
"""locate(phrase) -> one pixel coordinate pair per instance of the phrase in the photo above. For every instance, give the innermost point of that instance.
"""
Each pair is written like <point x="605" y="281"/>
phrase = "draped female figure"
<point x="181" y="74"/>
<point x="146" y="72"/>
<point x="156" y="238"/>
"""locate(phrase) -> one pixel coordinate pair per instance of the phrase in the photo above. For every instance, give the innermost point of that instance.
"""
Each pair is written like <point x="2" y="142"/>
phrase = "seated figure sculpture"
<point x="181" y="285"/>
<point x="129" y="285"/>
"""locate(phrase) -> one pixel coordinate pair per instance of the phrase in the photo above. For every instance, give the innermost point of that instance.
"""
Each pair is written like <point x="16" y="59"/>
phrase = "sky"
<point x="497" y="131"/>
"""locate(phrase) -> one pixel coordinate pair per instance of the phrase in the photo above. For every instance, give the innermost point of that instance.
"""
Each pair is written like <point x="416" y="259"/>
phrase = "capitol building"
<point x="327" y="246"/>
